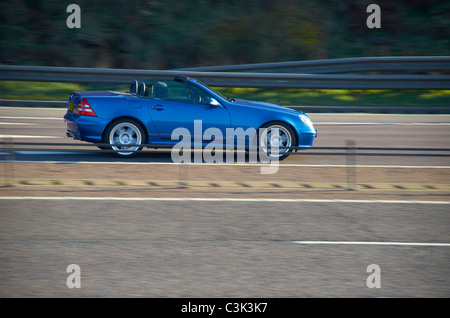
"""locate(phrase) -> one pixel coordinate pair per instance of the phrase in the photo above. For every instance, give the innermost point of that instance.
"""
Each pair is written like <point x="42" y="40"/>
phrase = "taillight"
<point x="84" y="109"/>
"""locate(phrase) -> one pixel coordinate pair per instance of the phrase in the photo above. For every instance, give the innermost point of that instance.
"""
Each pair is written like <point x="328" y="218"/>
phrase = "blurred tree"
<point x="152" y="34"/>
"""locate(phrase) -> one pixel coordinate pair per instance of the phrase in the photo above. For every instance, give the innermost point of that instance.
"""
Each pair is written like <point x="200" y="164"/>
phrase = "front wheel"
<point x="125" y="137"/>
<point x="276" y="135"/>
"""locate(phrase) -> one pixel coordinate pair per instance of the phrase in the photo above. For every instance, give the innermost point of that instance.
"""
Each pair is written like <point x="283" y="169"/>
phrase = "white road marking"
<point x="213" y="164"/>
<point x="370" y="243"/>
<point x="315" y="123"/>
<point x="37" y="118"/>
<point x="49" y="153"/>
<point x="367" y="166"/>
<point x="19" y="124"/>
<point x="184" y="199"/>
<point x="28" y="136"/>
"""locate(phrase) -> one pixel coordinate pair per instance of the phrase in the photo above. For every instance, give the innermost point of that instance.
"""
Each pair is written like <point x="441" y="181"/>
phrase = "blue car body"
<point x="91" y="113"/>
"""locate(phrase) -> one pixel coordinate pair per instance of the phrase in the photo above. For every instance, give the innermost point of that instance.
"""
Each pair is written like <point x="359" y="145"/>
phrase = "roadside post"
<point x="351" y="164"/>
<point x="9" y="155"/>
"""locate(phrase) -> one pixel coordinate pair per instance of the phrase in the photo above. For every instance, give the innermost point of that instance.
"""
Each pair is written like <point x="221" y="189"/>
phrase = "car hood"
<point x="254" y="104"/>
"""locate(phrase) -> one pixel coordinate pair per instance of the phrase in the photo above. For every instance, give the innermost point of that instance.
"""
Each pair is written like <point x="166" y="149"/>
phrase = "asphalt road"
<point x="222" y="248"/>
<point x="138" y="242"/>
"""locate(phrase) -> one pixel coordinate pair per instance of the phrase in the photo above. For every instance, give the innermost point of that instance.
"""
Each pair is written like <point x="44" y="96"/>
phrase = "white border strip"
<point x="182" y="199"/>
<point x="369" y="243"/>
<point x="236" y="164"/>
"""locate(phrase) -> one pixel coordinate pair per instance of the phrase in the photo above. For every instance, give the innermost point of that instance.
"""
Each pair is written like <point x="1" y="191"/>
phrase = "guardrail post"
<point x="8" y="150"/>
<point x="351" y="165"/>
<point x="183" y="173"/>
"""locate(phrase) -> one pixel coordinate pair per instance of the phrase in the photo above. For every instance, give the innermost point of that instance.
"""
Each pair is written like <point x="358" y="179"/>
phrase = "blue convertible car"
<point x="149" y="114"/>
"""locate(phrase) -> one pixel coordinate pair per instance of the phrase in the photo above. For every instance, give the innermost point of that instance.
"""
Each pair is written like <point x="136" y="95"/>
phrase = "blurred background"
<point x="163" y="35"/>
<point x="226" y="248"/>
<point x="151" y="34"/>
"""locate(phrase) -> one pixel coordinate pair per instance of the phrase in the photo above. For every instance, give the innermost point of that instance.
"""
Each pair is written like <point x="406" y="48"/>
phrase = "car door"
<point x="184" y="106"/>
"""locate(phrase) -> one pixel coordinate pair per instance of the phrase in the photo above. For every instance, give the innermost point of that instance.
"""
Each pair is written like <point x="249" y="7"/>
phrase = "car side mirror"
<point x="214" y="102"/>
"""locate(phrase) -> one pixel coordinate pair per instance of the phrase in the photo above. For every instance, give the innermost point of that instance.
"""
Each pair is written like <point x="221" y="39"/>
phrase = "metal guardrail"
<point x="344" y="65"/>
<point x="228" y="79"/>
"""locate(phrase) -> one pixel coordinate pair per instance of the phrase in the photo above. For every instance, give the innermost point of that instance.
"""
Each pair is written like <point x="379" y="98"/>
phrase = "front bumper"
<point x="306" y="139"/>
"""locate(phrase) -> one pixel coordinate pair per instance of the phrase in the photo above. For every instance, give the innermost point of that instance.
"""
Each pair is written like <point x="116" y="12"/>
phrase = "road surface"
<point x="146" y="227"/>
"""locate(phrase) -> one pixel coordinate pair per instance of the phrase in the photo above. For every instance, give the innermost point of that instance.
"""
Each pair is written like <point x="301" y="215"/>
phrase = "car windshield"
<point x="174" y="89"/>
<point x="216" y="92"/>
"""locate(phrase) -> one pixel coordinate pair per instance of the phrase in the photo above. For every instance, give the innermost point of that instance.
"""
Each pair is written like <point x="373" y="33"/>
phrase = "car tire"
<point x="123" y="132"/>
<point x="286" y="138"/>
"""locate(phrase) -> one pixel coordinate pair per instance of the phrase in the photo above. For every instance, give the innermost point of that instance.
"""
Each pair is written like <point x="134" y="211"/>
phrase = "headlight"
<point x="305" y="119"/>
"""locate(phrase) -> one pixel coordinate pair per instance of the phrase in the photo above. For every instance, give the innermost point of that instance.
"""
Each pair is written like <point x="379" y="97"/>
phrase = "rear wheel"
<point x="125" y="137"/>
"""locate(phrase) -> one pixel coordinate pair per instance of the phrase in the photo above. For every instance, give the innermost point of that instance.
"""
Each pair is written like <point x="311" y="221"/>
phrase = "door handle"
<point x="158" y="107"/>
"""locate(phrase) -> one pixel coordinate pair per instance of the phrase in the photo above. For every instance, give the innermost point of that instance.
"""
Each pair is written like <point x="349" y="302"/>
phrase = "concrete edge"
<point x="223" y="184"/>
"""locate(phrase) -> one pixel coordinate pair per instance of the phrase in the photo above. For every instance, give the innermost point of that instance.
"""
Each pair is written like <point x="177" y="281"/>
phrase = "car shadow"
<point x="166" y="156"/>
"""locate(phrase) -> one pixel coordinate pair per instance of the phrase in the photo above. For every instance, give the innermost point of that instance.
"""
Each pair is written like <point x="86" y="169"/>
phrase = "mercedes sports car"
<point x="150" y="112"/>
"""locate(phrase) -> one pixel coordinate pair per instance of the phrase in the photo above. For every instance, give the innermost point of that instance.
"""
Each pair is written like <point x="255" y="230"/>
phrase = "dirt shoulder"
<point x="235" y="180"/>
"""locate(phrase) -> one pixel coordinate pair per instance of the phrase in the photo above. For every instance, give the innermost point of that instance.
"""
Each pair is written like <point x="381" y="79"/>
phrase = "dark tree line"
<point x="174" y="34"/>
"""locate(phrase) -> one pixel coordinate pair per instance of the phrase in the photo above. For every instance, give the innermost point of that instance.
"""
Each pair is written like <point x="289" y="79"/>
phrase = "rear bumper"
<point x="84" y="128"/>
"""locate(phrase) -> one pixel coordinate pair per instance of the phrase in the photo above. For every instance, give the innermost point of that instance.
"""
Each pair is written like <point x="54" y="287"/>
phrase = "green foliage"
<point x="318" y="97"/>
<point x="36" y="90"/>
<point x="340" y="97"/>
<point x="47" y="90"/>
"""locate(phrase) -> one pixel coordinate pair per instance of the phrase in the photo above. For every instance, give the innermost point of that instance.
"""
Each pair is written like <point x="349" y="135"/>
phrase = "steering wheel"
<point x="198" y="99"/>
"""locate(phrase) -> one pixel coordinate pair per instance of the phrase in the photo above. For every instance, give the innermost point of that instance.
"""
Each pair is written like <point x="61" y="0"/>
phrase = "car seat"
<point x="143" y="90"/>
<point x="134" y="87"/>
